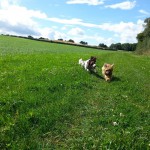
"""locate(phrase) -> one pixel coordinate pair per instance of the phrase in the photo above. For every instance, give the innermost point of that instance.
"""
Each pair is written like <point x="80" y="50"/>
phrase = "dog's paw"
<point x="95" y="71"/>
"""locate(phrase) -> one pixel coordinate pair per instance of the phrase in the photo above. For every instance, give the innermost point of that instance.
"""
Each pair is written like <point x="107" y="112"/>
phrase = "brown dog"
<point x="107" y="70"/>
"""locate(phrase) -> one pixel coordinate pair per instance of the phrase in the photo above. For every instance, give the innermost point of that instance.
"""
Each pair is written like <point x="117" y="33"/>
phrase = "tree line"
<point x="124" y="46"/>
<point x="117" y="46"/>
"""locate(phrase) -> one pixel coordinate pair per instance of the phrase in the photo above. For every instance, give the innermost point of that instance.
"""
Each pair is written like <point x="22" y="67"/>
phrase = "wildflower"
<point x="115" y="123"/>
<point x="121" y="115"/>
<point x="124" y="96"/>
<point x="127" y="132"/>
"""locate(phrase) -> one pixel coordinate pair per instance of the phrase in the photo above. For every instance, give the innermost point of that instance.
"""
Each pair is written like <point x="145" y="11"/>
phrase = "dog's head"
<point x="108" y="69"/>
<point x="92" y="62"/>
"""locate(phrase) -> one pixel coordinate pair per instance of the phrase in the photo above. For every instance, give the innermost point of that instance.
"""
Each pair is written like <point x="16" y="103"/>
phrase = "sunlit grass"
<point x="48" y="101"/>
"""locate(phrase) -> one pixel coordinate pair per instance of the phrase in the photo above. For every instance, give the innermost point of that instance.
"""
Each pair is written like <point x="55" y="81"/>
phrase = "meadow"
<point x="47" y="101"/>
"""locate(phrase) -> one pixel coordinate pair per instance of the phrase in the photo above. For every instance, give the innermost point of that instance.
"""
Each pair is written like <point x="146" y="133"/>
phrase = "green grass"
<point x="47" y="101"/>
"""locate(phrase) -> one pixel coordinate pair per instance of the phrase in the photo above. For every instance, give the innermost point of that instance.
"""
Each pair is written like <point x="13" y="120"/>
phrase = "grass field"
<point x="47" y="101"/>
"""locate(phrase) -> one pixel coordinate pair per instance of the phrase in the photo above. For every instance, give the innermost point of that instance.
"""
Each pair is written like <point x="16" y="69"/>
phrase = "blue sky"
<point x="92" y="21"/>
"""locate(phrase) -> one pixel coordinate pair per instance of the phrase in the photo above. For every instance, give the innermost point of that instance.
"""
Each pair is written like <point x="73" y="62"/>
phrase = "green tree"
<point x="30" y="37"/>
<point x="84" y="43"/>
<point x="147" y="27"/>
<point x="143" y="38"/>
<point x="60" y="39"/>
<point x="102" y="45"/>
<point x="140" y="37"/>
<point x="129" y="46"/>
<point x="116" y="46"/>
<point x="124" y="46"/>
<point x="72" y="41"/>
<point x="112" y="46"/>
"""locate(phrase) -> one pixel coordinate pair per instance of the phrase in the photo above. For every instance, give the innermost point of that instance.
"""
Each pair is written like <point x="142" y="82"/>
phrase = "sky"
<point x="92" y="21"/>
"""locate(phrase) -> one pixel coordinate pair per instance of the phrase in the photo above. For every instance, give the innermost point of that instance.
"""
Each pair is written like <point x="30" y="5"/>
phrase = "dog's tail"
<point x="80" y="61"/>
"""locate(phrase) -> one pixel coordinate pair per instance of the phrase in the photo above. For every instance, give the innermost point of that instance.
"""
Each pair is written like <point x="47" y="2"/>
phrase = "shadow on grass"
<point x="114" y="79"/>
<point x="96" y="75"/>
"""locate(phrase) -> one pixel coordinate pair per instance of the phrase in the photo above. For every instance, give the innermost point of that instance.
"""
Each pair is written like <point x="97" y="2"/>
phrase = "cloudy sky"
<point x="92" y="21"/>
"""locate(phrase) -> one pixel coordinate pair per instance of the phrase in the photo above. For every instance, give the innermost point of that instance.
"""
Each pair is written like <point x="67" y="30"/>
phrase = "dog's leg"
<point x="95" y="70"/>
<point x="86" y="66"/>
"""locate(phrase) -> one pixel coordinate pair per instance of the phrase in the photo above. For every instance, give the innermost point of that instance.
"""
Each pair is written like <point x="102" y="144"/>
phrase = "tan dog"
<point x="107" y="70"/>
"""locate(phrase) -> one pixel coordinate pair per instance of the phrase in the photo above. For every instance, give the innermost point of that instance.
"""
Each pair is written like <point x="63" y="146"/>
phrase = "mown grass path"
<point x="48" y="101"/>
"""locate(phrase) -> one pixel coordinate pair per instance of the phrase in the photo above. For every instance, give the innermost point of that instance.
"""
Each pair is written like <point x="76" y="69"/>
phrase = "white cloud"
<point x="76" y="32"/>
<point x="6" y="3"/>
<point x="144" y="12"/>
<point x="66" y="21"/>
<point x="107" y="41"/>
<point x="126" y="32"/>
<point x="73" y="21"/>
<point x="121" y="27"/>
<point x="18" y="20"/>
<point x="124" y="5"/>
<point x="97" y="39"/>
<point x="51" y="34"/>
<point x="15" y="15"/>
<point x="89" y="2"/>
<point x="64" y="28"/>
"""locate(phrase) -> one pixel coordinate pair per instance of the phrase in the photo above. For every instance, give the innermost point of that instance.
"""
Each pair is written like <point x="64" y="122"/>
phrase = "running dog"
<point x="88" y="65"/>
<point x="107" y="71"/>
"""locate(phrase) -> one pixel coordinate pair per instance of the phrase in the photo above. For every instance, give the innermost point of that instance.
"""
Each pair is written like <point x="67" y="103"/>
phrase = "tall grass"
<point x="49" y="102"/>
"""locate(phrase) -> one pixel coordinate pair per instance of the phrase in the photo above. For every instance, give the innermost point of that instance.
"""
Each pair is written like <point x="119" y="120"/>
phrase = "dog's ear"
<point x="91" y="57"/>
<point x="112" y="65"/>
<point x="94" y="59"/>
<point x="105" y="65"/>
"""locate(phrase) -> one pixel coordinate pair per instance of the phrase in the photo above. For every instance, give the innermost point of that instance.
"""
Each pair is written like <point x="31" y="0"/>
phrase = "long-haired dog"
<point x="107" y="71"/>
<point x="88" y="65"/>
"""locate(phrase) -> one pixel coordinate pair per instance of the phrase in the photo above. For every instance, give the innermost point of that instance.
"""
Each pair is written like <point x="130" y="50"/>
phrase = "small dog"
<point x="89" y="65"/>
<point x="107" y="70"/>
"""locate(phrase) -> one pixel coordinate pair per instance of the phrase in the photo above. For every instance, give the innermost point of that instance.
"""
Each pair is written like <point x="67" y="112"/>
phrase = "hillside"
<point x="49" y="102"/>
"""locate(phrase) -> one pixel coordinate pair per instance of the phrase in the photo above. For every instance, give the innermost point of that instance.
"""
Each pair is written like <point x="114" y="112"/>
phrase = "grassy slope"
<point x="48" y="101"/>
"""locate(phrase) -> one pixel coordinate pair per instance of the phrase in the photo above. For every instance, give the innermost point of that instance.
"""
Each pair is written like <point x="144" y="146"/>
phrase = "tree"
<point x="134" y="45"/>
<point x="143" y="38"/>
<point x="129" y="46"/>
<point x="102" y="45"/>
<point x="112" y="46"/>
<point x="60" y="39"/>
<point x="140" y="37"/>
<point x="30" y="37"/>
<point x="84" y="43"/>
<point x="147" y="27"/>
<point x="72" y="41"/>
<point x="124" y="46"/>
<point x="41" y="38"/>
<point x="116" y="46"/>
